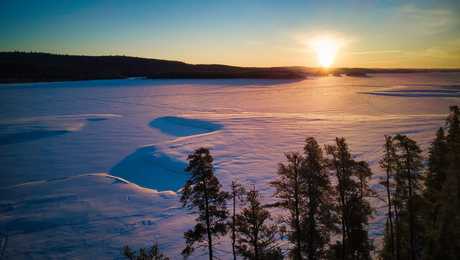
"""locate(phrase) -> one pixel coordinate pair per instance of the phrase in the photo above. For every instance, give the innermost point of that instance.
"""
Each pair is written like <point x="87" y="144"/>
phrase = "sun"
<point x="326" y="49"/>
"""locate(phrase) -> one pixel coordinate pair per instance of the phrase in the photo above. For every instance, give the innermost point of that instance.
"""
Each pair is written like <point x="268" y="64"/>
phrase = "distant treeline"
<point x="34" y="67"/>
<point x="39" y="67"/>
<point x="324" y="196"/>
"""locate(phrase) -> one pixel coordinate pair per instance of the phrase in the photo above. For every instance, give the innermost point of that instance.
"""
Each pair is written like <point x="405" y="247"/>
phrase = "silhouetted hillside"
<point x="31" y="67"/>
<point x="35" y="67"/>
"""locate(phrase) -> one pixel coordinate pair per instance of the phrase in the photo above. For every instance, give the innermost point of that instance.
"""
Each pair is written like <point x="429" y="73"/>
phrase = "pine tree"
<point x="202" y="193"/>
<point x="388" y="163"/>
<point x="289" y="188"/>
<point x="341" y="163"/>
<point x="408" y="180"/>
<point x="386" y="252"/>
<point x="354" y="210"/>
<point x="360" y="211"/>
<point x="257" y="239"/>
<point x="151" y="254"/>
<point x="319" y="220"/>
<point x="237" y="196"/>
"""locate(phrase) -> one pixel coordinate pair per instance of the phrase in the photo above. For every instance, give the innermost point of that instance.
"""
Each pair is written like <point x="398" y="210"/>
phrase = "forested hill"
<point x="34" y="67"/>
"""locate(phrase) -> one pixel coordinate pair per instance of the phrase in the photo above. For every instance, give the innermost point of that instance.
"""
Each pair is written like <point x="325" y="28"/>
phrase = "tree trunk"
<point x="411" y="208"/>
<point x="256" y="243"/>
<point x="342" y="206"/>
<point x="344" y="216"/>
<point x="297" y="216"/>
<point x="208" y="222"/>
<point x="398" y="234"/>
<point x="233" y="226"/>
<point x="411" y="221"/>
<point x="344" y="251"/>
<point x="311" y="212"/>
<point x="390" y="216"/>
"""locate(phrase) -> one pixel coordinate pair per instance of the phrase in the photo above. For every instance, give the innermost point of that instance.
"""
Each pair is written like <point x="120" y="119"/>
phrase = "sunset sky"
<point x="417" y="34"/>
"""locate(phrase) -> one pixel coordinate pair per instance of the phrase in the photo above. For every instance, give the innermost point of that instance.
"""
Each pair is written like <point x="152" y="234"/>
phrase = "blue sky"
<point x="248" y="33"/>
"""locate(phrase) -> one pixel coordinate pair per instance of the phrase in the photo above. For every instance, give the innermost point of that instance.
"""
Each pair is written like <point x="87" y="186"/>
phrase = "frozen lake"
<point x="86" y="167"/>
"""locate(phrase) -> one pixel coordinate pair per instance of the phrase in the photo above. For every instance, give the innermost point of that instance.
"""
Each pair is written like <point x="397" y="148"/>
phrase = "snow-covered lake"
<point x="87" y="167"/>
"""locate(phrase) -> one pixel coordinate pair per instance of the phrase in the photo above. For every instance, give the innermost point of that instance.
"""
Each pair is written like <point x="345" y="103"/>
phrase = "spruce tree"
<point x="257" y="238"/>
<point x="453" y="144"/>
<point x="436" y="175"/>
<point x="437" y="165"/>
<point x="447" y="233"/>
<point x="202" y="194"/>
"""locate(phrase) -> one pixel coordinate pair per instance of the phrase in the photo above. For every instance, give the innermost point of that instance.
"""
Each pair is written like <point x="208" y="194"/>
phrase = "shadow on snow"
<point x="149" y="168"/>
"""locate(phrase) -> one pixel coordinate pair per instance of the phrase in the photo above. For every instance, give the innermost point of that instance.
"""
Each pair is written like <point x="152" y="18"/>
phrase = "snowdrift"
<point x="179" y="126"/>
<point x="150" y="168"/>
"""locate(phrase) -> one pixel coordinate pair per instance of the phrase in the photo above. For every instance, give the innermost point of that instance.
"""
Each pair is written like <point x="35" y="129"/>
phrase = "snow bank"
<point x="152" y="169"/>
<point x="92" y="207"/>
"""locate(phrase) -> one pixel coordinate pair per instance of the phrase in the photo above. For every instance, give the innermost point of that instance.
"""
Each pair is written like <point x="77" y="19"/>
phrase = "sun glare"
<point x="326" y="50"/>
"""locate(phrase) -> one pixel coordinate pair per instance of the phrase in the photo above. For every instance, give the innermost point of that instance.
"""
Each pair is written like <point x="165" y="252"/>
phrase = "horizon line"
<point x="219" y="64"/>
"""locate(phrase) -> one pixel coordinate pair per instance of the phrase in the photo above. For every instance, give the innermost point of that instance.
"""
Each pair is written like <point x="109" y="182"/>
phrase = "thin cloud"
<point x="374" y="52"/>
<point x="427" y="21"/>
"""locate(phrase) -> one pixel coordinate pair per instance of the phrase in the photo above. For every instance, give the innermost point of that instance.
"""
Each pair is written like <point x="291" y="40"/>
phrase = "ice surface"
<point x="51" y="204"/>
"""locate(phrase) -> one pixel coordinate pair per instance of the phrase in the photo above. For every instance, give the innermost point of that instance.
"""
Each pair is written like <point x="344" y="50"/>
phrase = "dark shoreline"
<point x="31" y="67"/>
